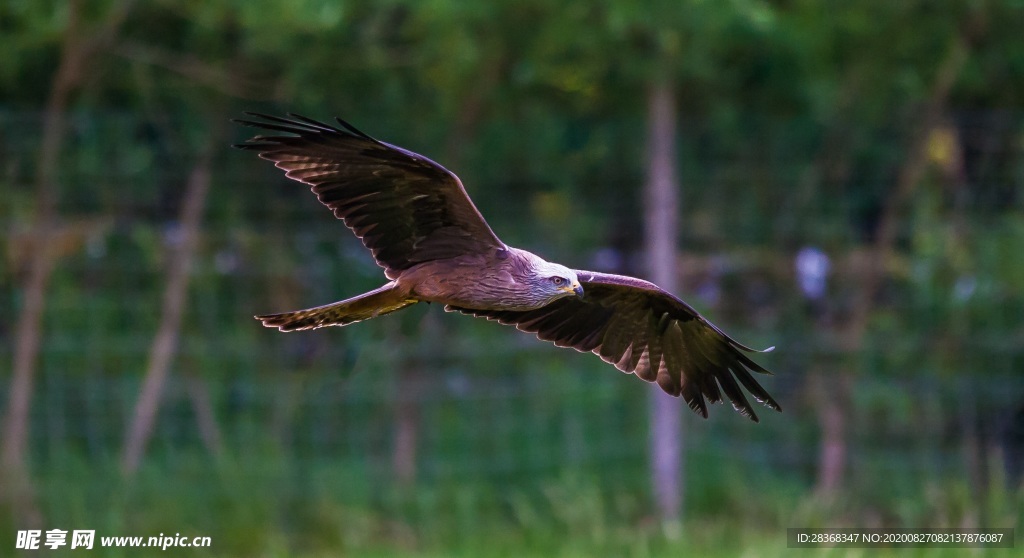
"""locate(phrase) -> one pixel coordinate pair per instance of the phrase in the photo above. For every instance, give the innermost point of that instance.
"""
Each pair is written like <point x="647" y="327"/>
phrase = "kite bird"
<point x="421" y="227"/>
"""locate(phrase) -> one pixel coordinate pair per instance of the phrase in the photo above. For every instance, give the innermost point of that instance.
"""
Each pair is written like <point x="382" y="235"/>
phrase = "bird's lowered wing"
<point x="642" y="329"/>
<point x="404" y="207"/>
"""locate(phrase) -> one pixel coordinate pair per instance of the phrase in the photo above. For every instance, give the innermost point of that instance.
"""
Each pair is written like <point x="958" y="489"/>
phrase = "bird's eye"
<point x="558" y="281"/>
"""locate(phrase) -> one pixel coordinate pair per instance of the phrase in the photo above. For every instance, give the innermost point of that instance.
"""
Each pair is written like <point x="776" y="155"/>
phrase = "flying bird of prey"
<point x="421" y="227"/>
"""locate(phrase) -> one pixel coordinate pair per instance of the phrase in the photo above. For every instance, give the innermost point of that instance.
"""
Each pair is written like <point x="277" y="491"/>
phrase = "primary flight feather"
<point x="434" y="245"/>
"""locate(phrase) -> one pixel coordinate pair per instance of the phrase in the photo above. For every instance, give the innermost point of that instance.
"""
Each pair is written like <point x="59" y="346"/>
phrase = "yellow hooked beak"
<point x="575" y="288"/>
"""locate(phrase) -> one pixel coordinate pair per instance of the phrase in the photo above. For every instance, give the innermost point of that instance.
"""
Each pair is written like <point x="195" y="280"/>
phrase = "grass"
<point x="265" y="504"/>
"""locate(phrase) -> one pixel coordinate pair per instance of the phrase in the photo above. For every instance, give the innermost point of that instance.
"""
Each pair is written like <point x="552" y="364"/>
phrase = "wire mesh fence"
<point x="936" y="390"/>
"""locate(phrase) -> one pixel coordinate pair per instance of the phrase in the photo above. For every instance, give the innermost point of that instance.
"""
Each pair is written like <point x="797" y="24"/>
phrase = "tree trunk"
<point x="206" y="418"/>
<point x="833" y="407"/>
<point x="661" y="210"/>
<point x="166" y="339"/>
<point x="77" y="52"/>
<point x="407" y="422"/>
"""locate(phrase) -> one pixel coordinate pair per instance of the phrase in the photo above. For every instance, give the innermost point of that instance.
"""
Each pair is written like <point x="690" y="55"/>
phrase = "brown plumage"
<point x="421" y="227"/>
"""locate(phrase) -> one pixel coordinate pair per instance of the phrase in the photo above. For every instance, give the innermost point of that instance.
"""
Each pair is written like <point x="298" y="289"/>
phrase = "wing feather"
<point x="421" y="207"/>
<point x="644" y="330"/>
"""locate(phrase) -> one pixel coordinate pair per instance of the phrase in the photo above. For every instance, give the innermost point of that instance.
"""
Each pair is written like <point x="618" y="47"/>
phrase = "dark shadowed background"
<point x="849" y="179"/>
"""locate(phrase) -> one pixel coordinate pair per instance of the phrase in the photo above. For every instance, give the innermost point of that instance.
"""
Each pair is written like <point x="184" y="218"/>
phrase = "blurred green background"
<point x="877" y="144"/>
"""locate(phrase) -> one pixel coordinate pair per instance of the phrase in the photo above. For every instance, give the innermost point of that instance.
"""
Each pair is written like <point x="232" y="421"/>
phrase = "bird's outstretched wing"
<point x="640" y="328"/>
<point x="405" y="208"/>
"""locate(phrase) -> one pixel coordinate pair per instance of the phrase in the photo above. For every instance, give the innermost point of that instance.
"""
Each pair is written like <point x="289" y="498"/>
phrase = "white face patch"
<point x="547" y="269"/>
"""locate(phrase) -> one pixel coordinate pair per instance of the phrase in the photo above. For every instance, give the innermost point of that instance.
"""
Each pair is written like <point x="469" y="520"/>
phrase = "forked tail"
<point x="377" y="302"/>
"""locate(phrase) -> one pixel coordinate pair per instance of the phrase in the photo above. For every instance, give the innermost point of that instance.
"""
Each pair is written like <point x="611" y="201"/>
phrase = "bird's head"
<point x="558" y="281"/>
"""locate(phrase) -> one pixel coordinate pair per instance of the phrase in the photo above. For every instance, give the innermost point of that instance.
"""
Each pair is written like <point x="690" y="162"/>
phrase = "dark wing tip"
<point x="249" y="123"/>
<point x="300" y="125"/>
<point x="315" y="123"/>
<point x="261" y="116"/>
<point x="280" y="321"/>
<point x="771" y="404"/>
<point x="767" y="400"/>
<point x="741" y="346"/>
<point x="354" y="130"/>
<point x="248" y="146"/>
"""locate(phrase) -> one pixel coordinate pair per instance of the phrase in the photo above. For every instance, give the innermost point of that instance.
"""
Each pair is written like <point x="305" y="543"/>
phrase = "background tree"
<point x="884" y="135"/>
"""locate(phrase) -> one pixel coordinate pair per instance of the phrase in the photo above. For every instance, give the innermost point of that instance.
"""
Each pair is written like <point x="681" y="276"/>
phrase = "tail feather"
<point x="375" y="303"/>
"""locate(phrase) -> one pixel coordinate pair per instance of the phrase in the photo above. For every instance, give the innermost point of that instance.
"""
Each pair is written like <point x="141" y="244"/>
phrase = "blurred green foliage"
<point x="797" y="118"/>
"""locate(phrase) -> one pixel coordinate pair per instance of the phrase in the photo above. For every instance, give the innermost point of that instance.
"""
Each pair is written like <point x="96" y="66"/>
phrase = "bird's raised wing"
<point x="640" y="328"/>
<point x="405" y="208"/>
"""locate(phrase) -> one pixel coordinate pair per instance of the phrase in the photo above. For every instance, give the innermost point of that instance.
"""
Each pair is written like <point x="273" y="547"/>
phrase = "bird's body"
<point x="421" y="227"/>
<point x="513" y="286"/>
